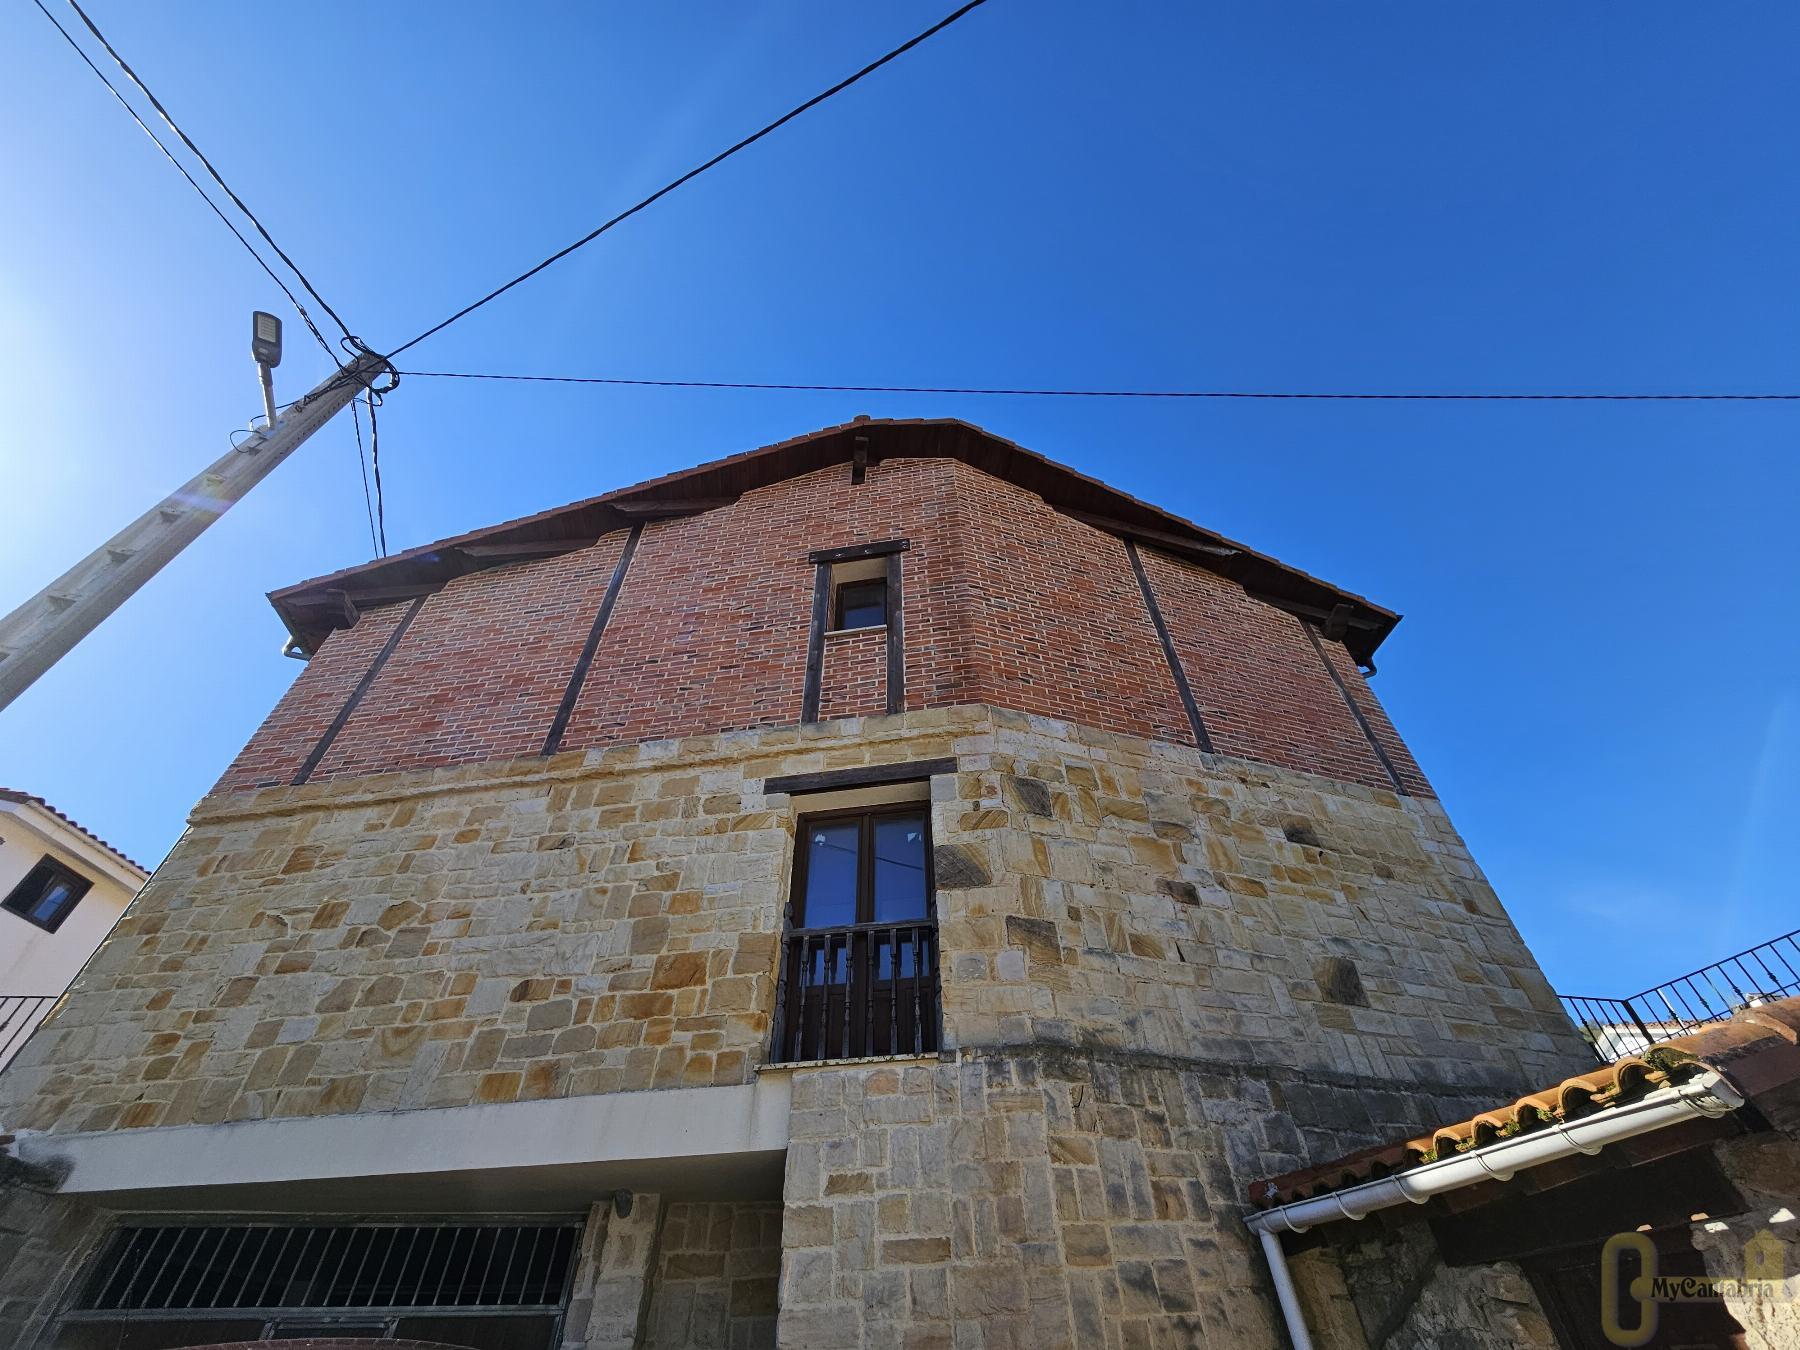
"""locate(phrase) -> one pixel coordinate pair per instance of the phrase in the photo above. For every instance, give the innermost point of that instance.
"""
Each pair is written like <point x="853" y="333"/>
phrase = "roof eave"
<point x="312" y="609"/>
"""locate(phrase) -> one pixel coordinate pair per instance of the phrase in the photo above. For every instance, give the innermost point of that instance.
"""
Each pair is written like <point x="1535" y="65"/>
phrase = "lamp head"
<point x="265" y="339"/>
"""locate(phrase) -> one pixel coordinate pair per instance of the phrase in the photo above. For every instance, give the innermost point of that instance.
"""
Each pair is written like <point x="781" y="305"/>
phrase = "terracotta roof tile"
<point x="1757" y="1050"/>
<point x="14" y="795"/>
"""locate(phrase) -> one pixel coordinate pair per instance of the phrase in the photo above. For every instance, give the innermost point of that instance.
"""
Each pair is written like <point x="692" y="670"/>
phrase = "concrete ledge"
<point x="555" y="1155"/>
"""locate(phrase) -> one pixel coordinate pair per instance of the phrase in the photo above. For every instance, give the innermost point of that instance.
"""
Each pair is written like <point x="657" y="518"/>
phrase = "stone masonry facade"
<point x="1165" y="971"/>
<point x="608" y="921"/>
<point x="1165" y="975"/>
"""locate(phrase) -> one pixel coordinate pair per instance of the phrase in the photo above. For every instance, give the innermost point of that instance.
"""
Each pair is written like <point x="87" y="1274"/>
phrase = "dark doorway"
<point x="1568" y="1284"/>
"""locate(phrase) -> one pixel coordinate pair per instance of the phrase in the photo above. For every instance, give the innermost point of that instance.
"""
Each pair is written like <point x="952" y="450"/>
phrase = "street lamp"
<point x="265" y="350"/>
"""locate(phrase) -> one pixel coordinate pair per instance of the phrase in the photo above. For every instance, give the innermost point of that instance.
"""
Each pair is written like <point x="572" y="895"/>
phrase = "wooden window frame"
<point x="824" y="601"/>
<point x="56" y="871"/>
<point x="839" y="605"/>
<point x="868" y="989"/>
<point x="865" y="866"/>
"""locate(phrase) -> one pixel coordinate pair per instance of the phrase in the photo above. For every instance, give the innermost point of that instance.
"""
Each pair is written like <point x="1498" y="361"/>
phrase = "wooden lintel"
<point x="874" y="775"/>
<point x="857" y="551"/>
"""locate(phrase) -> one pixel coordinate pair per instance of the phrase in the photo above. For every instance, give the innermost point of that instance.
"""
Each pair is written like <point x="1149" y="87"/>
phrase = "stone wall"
<point x="1762" y="1243"/>
<point x="1165" y="975"/>
<point x="716" y="1277"/>
<point x="1108" y="892"/>
<point x="609" y="922"/>
<point x="1056" y="1198"/>
<point x="45" y="1240"/>
<point x="1399" y="1295"/>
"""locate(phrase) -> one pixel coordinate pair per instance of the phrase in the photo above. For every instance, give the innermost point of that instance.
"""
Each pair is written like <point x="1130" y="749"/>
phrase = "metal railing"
<point x="1624" y="1026"/>
<point x="19" y="1017"/>
<point x="278" y="1269"/>
<point x="849" y="993"/>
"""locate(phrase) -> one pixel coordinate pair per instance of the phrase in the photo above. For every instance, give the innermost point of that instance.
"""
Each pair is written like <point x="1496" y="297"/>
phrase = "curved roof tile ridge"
<point x="15" y="795"/>
<point x="1757" y="1049"/>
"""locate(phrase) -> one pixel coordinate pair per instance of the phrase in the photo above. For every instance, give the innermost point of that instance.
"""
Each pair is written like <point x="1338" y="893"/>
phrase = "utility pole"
<point x="40" y="632"/>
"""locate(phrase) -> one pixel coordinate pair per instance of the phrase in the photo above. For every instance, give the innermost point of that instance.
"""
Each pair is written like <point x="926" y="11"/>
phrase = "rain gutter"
<point x="1706" y="1096"/>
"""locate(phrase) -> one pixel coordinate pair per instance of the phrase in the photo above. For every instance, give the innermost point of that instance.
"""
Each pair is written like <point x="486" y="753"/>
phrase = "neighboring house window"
<point x="862" y="604"/>
<point x="859" y="972"/>
<point x="47" y="894"/>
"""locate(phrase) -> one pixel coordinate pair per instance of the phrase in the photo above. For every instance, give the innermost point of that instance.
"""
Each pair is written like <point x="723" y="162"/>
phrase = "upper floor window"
<point x="863" y="867"/>
<point x="862" y="604"/>
<point x="859" y="972"/>
<point x="47" y="894"/>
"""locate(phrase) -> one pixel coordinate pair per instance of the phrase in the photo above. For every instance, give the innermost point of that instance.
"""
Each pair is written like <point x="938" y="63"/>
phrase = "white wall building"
<point x="61" y="891"/>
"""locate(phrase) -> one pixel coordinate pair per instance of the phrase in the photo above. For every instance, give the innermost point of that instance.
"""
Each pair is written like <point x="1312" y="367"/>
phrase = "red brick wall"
<point x="710" y="632"/>
<point x="853" y="682"/>
<point x="284" y="741"/>
<point x="1411" y="777"/>
<point x="480" y="671"/>
<point x="1060" y="625"/>
<point x="1262" y="691"/>
<point x="1005" y="601"/>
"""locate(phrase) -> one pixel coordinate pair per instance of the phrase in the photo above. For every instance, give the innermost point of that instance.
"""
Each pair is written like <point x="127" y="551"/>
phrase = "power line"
<point x="693" y="173"/>
<point x="186" y="140"/>
<point x="375" y="459"/>
<point x="378" y="511"/>
<point x="1406" y="396"/>
<point x="362" y="461"/>
<point x="182" y="169"/>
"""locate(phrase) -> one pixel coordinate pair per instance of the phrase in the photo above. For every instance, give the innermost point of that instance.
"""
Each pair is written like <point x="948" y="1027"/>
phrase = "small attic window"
<point x="859" y="596"/>
<point x="862" y="604"/>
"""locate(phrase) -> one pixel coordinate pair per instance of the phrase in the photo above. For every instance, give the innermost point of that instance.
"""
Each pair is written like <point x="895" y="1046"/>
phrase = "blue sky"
<point x="1598" y="662"/>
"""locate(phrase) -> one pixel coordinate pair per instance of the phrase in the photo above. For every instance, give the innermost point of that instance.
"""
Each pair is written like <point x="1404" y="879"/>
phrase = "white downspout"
<point x="1291" y="1311"/>
<point x="1706" y="1095"/>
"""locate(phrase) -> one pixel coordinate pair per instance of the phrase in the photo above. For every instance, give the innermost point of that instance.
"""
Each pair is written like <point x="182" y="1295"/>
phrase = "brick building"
<point x="883" y="889"/>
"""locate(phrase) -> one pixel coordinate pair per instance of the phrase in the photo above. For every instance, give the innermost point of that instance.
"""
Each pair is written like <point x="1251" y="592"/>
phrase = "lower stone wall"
<point x="1762" y="1243"/>
<point x="716" y="1277"/>
<point x="1039" y="1198"/>
<point x="44" y="1242"/>
<point x="1401" y="1296"/>
<point x="610" y="922"/>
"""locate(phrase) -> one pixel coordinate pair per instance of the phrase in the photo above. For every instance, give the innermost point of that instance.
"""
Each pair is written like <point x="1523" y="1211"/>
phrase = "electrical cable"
<point x="363" y="462"/>
<point x="182" y="169"/>
<point x="1464" y="397"/>
<point x="186" y="140"/>
<point x="691" y="174"/>
<point x="375" y="459"/>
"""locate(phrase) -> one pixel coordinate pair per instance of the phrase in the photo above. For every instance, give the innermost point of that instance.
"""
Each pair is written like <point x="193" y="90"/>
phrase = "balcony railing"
<point x="19" y="1017"/>
<point x="1624" y="1026"/>
<point x="849" y="993"/>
